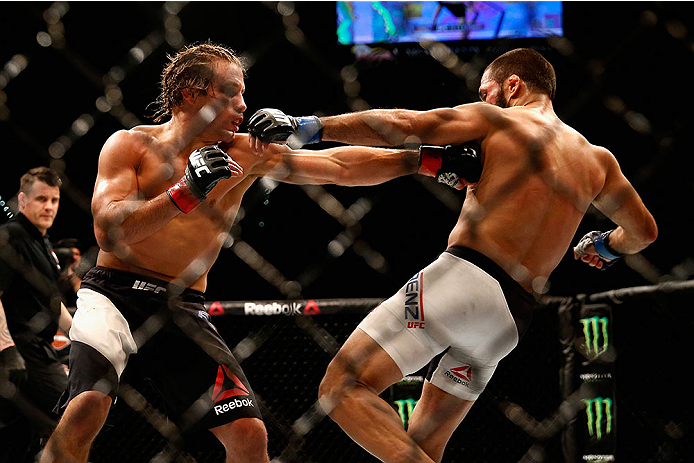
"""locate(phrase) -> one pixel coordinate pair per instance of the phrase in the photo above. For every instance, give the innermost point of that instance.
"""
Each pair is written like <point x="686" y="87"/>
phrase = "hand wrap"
<point x="599" y="240"/>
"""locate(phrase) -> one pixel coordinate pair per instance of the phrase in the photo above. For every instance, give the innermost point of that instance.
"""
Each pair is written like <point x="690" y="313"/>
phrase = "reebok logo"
<point x="461" y="375"/>
<point x="232" y="404"/>
<point x="227" y="385"/>
<point x="274" y="308"/>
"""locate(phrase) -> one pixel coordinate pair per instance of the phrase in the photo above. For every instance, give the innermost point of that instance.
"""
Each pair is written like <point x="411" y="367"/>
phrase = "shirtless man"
<point x="140" y="310"/>
<point x="475" y="301"/>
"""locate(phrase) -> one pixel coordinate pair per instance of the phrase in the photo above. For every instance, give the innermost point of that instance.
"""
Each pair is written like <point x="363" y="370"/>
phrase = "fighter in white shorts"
<point x="463" y="304"/>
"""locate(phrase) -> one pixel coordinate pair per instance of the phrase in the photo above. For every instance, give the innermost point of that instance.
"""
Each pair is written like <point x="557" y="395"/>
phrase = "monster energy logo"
<point x="405" y="408"/>
<point x="592" y="328"/>
<point x="597" y="409"/>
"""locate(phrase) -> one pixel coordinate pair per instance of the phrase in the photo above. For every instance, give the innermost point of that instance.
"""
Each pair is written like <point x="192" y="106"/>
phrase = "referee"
<point x="31" y="312"/>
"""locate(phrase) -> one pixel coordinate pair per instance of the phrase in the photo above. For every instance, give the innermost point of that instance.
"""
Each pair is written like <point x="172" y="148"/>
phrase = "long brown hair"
<point x="191" y="67"/>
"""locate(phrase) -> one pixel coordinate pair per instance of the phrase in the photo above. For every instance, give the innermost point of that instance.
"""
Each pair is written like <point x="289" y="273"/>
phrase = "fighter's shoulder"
<point x="127" y="144"/>
<point x="478" y="107"/>
<point x="600" y="153"/>
<point x="482" y="114"/>
<point x="605" y="157"/>
<point x="137" y="133"/>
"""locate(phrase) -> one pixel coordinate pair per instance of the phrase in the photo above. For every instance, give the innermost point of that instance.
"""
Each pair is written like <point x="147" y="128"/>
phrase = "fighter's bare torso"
<point x="140" y="230"/>
<point x="187" y="245"/>
<point x="539" y="178"/>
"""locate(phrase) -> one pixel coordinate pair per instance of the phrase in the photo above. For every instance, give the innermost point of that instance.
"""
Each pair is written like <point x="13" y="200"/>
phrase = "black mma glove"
<point x="273" y="126"/>
<point x="455" y="165"/>
<point x="206" y="166"/>
<point x="13" y="367"/>
<point x="600" y="241"/>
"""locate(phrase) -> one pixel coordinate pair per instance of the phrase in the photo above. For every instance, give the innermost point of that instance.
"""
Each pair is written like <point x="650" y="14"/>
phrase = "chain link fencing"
<point x="341" y="244"/>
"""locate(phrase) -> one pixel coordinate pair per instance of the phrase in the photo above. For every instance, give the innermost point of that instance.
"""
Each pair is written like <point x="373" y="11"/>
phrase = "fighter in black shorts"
<point x="122" y="310"/>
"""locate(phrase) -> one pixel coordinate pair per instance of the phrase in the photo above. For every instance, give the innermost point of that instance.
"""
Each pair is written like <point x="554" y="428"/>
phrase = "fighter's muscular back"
<point x="539" y="178"/>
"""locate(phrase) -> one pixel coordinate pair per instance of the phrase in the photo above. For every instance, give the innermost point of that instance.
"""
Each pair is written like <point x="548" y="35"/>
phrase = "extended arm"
<point x="376" y="127"/>
<point x="456" y="166"/>
<point x="395" y="127"/>
<point x="348" y="166"/>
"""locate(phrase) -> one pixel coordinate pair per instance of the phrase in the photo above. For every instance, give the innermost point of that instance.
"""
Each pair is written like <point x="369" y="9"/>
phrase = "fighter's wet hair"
<point x="191" y="67"/>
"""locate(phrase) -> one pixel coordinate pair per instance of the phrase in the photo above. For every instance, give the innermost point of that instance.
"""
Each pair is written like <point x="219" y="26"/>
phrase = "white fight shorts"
<point x="457" y="306"/>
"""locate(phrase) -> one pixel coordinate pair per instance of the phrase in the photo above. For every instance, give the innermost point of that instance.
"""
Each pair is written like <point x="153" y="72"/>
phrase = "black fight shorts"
<point x="130" y="329"/>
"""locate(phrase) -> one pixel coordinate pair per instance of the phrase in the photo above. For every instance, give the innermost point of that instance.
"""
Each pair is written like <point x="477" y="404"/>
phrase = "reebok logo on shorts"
<point x="414" y="309"/>
<point x="232" y="404"/>
<point x="226" y="386"/>
<point x="461" y="375"/>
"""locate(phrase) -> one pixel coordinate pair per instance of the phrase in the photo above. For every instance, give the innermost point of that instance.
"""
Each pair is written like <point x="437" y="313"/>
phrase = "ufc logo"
<point x="415" y="325"/>
<point x="197" y="161"/>
<point x="144" y="286"/>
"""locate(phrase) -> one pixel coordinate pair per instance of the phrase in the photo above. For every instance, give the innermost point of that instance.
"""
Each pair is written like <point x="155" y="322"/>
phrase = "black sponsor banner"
<point x="597" y="377"/>
<point x="295" y="307"/>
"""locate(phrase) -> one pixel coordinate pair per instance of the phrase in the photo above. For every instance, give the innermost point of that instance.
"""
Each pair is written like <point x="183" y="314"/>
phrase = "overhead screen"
<point x="363" y="22"/>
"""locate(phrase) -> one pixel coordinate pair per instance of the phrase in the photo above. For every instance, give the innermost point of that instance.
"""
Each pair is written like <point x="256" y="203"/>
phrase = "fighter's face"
<point x="225" y="97"/>
<point x="491" y="92"/>
<point x="40" y="205"/>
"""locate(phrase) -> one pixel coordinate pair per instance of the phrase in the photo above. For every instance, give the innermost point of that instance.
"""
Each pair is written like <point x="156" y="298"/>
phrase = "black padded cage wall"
<point x="539" y="406"/>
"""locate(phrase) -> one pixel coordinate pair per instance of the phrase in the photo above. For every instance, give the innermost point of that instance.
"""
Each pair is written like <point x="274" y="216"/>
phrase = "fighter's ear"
<point x="514" y="85"/>
<point x="189" y="95"/>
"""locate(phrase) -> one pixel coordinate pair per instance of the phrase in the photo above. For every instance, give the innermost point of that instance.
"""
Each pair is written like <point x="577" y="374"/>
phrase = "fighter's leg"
<point x="77" y="429"/>
<point x="435" y="417"/>
<point x="101" y="344"/>
<point x="245" y="440"/>
<point x="360" y="371"/>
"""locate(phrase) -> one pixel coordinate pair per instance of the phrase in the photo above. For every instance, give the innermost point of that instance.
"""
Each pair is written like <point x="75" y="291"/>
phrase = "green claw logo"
<point x="598" y="410"/>
<point x="593" y="327"/>
<point x="405" y="408"/>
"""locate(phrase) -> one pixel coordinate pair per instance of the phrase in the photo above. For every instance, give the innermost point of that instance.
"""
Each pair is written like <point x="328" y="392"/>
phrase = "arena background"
<point x="75" y="72"/>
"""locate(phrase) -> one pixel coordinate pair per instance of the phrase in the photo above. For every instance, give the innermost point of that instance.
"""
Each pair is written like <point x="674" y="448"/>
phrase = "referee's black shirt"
<point x="29" y="274"/>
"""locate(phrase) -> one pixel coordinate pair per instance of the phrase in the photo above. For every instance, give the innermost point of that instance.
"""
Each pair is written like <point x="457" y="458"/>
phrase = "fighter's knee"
<point x="335" y="384"/>
<point x="86" y="413"/>
<point x="251" y="431"/>
<point x="327" y="381"/>
<point x="246" y="436"/>
<point x="324" y="392"/>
